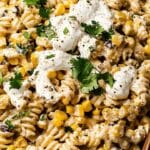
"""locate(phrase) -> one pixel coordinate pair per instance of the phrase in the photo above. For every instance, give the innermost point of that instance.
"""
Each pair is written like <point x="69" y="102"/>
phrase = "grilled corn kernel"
<point x="60" y="9"/>
<point x="11" y="147"/>
<point x="147" y="49"/>
<point x="117" y="39"/>
<point x="60" y="115"/>
<point x="51" y="74"/>
<point x="74" y="126"/>
<point x="128" y="27"/>
<point x="23" y="71"/>
<point x="68" y="3"/>
<point x="3" y="41"/>
<point x="13" y="61"/>
<point x="65" y="100"/>
<point x="69" y="109"/>
<point x="87" y="106"/>
<point x="79" y="111"/>
<point x="58" y="123"/>
<point x="1" y="58"/>
<point x="34" y="59"/>
<point x="96" y="112"/>
<point x="60" y="75"/>
<point x="120" y="16"/>
<point x="20" y="142"/>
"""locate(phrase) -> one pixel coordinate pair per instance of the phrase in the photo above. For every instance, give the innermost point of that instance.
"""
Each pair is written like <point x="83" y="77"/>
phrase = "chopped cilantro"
<point x="16" y="81"/>
<point x="46" y="31"/>
<point x="44" y="12"/>
<point x="66" y="31"/>
<point x="31" y="2"/>
<point x="9" y="124"/>
<point x="22" y="49"/>
<point x="43" y="117"/>
<point x="73" y="17"/>
<point x="50" y="56"/>
<point x="97" y="31"/>
<point x="1" y="79"/>
<point x="26" y="35"/>
<point x="68" y="129"/>
<point x="21" y="114"/>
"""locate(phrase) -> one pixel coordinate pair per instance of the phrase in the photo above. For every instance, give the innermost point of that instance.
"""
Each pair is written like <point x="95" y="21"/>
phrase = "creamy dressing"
<point x="18" y="97"/>
<point x="123" y="80"/>
<point x="10" y="53"/>
<point x="59" y="61"/>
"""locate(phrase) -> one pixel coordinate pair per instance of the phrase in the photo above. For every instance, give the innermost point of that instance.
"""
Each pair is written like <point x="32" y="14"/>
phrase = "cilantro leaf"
<point x="44" y="12"/>
<point x="22" y="49"/>
<point x="68" y="129"/>
<point x="31" y="2"/>
<point x="66" y="31"/>
<point x="43" y="117"/>
<point x="50" y="56"/>
<point x="93" y="29"/>
<point x="1" y="79"/>
<point x="9" y="124"/>
<point x="21" y="114"/>
<point x="97" y="31"/>
<point x="16" y="81"/>
<point x="46" y="31"/>
<point x="107" y="77"/>
<point x="26" y="35"/>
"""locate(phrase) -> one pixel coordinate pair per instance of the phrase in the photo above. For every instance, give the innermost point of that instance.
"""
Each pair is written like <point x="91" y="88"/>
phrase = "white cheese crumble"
<point x="18" y="97"/>
<point x="59" y="61"/>
<point x="10" y="53"/>
<point x="123" y="80"/>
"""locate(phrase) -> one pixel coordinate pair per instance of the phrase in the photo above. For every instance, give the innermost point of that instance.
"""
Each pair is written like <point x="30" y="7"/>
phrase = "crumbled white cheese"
<point x="86" y="45"/>
<point x="10" y="53"/>
<point x="123" y="80"/>
<point x="59" y="61"/>
<point x="18" y="97"/>
<point x="66" y="41"/>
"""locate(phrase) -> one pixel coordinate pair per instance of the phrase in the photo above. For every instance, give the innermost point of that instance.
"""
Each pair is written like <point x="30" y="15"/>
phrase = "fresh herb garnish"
<point x="16" y="81"/>
<point x="21" y="114"/>
<point x="43" y="11"/>
<point x="43" y="117"/>
<point x="68" y="129"/>
<point x="50" y="56"/>
<point x="97" y="31"/>
<point x="1" y="79"/>
<point x="26" y="35"/>
<point x="22" y="49"/>
<point x="9" y="124"/>
<point x="73" y="17"/>
<point x="66" y="31"/>
<point x="46" y="31"/>
<point x="83" y="70"/>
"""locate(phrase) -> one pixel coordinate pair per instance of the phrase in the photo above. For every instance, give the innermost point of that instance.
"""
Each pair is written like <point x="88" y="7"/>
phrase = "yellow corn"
<point x="51" y="74"/>
<point x="60" y="75"/>
<point x="3" y="41"/>
<point x="69" y="109"/>
<point x="117" y="39"/>
<point x="13" y="61"/>
<point x="68" y="3"/>
<point x="74" y="126"/>
<point x="128" y="27"/>
<point x="34" y="35"/>
<point x="114" y="69"/>
<point x="96" y="112"/>
<point x="79" y="111"/>
<point x="11" y="147"/>
<point x="65" y="100"/>
<point x="57" y="123"/>
<point x="60" y="9"/>
<point x="34" y="59"/>
<point x="148" y="41"/>
<point x="20" y="142"/>
<point x="23" y="71"/>
<point x="147" y="49"/>
<point x="120" y="16"/>
<point x="1" y="58"/>
<point x="60" y="115"/>
<point x="39" y="48"/>
<point x="87" y="106"/>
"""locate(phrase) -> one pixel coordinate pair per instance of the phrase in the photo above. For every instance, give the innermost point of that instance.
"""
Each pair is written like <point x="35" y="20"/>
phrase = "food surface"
<point x="74" y="74"/>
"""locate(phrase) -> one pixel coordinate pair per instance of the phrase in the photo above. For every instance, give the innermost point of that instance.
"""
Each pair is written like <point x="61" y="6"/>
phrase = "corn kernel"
<point x="11" y="147"/>
<point x="60" y="9"/>
<point x="115" y="69"/>
<point x="68" y="3"/>
<point x="1" y="58"/>
<point x="39" y="48"/>
<point x="79" y="111"/>
<point x="117" y="39"/>
<point x="23" y="71"/>
<point x="128" y="27"/>
<point x="120" y="16"/>
<point x="20" y="142"/>
<point x="148" y="41"/>
<point x="60" y="75"/>
<point x="13" y="61"/>
<point x="57" y="123"/>
<point x="65" y="100"/>
<point x="96" y="112"/>
<point x="74" y="126"/>
<point x="69" y="109"/>
<point x="2" y="41"/>
<point x="147" y="49"/>
<point x="34" y="35"/>
<point x="87" y="106"/>
<point x="34" y="59"/>
<point x="60" y="115"/>
<point x="51" y="74"/>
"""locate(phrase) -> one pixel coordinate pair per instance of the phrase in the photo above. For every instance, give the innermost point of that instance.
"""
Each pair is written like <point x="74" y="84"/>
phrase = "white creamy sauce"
<point x="18" y="97"/>
<point x="84" y="11"/>
<point x="59" y="61"/>
<point x="10" y="53"/>
<point x="123" y="80"/>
